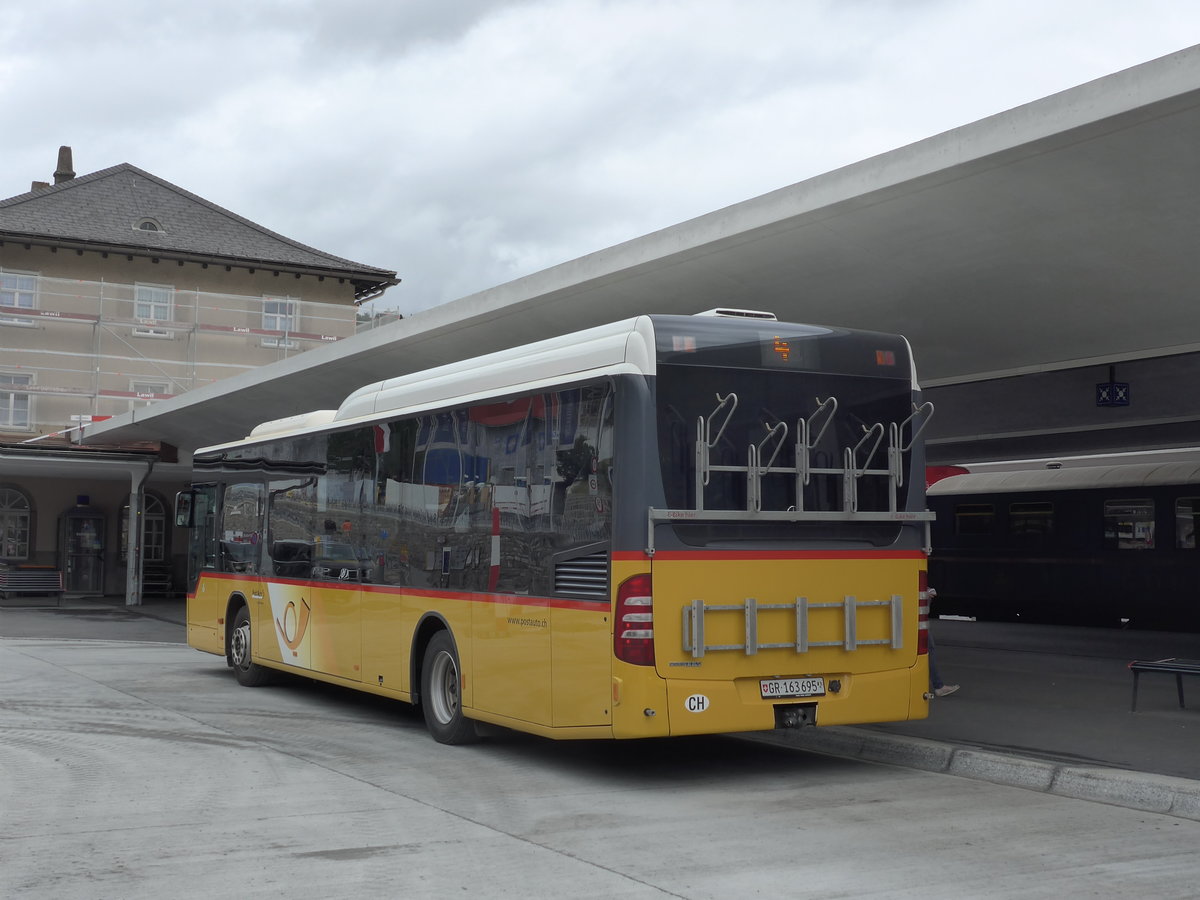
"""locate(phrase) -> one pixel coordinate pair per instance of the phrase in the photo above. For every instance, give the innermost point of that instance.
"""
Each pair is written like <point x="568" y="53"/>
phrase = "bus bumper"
<point x="715" y="707"/>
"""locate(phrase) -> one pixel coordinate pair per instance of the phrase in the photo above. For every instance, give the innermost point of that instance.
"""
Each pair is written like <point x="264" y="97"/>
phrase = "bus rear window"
<point x="765" y="399"/>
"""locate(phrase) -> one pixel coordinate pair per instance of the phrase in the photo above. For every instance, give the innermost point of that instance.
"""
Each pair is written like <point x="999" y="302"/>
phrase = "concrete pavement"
<point x="141" y="771"/>
<point x="1045" y="708"/>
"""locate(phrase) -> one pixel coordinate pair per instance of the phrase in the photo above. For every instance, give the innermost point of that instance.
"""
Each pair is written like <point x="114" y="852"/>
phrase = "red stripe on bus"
<point x="432" y="594"/>
<point x="704" y="555"/>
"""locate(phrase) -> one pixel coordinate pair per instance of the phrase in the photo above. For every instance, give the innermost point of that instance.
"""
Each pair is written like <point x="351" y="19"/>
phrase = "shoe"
<point x="945" y="690"/>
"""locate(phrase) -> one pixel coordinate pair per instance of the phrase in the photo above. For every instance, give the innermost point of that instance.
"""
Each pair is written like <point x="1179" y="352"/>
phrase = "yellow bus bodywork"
<point x="546" y="666"/>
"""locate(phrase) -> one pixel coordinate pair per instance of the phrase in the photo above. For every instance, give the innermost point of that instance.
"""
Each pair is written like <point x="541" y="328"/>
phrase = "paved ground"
<point x="140" y="770"/>
<point x="107" y="620"/>
<point x="1040" y="707"/>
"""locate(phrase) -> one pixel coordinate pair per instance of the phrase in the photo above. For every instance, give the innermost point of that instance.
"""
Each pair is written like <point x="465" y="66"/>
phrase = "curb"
<point x="1164" y="794"/>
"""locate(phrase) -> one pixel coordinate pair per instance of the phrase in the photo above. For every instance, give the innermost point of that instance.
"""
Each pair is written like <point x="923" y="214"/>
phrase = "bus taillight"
<point x="633" y="636"/>
<point x="924" y="596"/>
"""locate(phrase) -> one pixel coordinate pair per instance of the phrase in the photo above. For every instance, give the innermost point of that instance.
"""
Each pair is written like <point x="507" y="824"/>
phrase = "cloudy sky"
<point x="464" y="143"/>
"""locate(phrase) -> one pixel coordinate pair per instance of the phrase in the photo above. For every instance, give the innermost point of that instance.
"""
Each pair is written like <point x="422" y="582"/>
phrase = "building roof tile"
<point x="106" y="208"/>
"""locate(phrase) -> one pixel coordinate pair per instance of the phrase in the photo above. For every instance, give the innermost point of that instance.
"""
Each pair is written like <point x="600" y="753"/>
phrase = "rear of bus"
<point x="776" y="577"/>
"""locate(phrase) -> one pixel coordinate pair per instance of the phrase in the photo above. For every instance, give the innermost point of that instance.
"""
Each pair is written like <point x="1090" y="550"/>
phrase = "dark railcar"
<point x="1098" y="545"/>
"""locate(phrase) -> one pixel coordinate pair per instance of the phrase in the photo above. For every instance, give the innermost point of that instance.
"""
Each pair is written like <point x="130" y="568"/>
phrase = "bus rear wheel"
<point x="247" y="672"/>
<point x="441" y="693"/>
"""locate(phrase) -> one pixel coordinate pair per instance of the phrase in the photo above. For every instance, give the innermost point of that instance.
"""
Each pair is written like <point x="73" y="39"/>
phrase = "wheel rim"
<point x="240" y="645"/>
<point x="444" y="688"/>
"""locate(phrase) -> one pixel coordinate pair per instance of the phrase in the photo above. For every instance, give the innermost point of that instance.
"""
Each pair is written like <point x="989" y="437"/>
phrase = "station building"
<point x="119" y="290"/>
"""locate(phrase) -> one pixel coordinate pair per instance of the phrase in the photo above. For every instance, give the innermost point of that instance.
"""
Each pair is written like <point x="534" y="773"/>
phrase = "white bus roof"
<point x="625" y="347"/>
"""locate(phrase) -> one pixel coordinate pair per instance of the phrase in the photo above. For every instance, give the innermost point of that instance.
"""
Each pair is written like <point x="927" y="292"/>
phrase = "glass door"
<point x="82" y="545"/>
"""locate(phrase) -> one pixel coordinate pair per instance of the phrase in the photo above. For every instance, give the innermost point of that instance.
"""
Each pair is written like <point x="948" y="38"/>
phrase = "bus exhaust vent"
<point x="583" y="576"/>
<point x="730" y="313"/>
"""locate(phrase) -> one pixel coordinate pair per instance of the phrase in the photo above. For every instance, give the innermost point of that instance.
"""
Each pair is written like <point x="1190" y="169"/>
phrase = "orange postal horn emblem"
<point x="294" y="624"/>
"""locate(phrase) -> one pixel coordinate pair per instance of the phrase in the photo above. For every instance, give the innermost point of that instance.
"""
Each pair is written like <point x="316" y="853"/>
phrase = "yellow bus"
<point x="668" y="525"/>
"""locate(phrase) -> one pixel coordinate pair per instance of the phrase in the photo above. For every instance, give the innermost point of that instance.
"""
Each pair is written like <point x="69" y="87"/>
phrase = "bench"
<point x="28" y="579"/>
<point x="1171" y="666"/>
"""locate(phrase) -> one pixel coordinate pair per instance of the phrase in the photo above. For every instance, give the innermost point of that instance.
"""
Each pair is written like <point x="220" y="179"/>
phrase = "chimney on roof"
<point x="64" y="172"/>
<point x="39" y="185"/>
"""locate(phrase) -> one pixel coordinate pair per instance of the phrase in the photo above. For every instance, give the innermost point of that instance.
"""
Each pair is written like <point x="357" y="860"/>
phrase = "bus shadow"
<point x="643" y="761"/>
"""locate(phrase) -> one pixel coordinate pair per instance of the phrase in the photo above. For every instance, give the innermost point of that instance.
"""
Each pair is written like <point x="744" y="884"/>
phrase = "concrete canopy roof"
<point x="1051" y="235"/>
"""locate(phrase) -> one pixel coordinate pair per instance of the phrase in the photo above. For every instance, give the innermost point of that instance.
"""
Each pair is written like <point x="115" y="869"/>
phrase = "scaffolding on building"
<point x="74" y="351"/>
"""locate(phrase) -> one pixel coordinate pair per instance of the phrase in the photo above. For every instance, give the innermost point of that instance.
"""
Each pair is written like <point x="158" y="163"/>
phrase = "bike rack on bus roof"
<point x="803" y="470"/>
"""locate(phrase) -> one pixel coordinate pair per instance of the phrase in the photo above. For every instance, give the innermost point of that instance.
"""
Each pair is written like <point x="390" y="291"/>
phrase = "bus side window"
<point x="241" y="528"/>
<point x="202" y="547"/>
<point x="291" y="514"/>
<point x="1187" y="512"/>
<point x="399" y="503"/>
<point x="207" y="514"/>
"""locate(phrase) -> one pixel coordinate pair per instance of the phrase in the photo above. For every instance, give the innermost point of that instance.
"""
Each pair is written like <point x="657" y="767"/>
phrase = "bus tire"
<point x="441" y="693"/>
<point x="247" y="672"/>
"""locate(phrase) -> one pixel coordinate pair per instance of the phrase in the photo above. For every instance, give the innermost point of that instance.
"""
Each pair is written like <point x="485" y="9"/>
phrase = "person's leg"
<point x="936" y="685"/>
<point x="935" y="678"/>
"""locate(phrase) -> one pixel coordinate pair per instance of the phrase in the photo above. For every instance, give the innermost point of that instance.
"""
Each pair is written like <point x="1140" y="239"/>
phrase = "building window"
<point x="1129" y="524"/>
<point x="279" y="314"/>
<point x="15" y="517"/>
<point x="19" y="290"/>
<point x="1187" y="516"/>
<point x="147" y="224"/>
<point x="14" y="400"/>
<point x="154" y="301"/>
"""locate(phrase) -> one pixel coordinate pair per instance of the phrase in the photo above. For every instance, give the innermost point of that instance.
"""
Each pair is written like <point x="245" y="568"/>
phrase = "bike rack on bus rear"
<point x="851" y="470"/>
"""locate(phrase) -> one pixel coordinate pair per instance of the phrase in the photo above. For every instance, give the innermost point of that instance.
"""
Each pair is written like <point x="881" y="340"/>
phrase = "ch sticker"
<point x="696" y="703"/>
<point x="294" y="624"/>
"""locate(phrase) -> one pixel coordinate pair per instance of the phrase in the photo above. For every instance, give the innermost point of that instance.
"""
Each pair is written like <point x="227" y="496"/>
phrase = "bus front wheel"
<point x="247" y="672"/>
<point x="441" y="693"/>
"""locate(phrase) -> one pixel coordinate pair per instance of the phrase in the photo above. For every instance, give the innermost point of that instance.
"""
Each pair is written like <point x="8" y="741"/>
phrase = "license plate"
<point x="773" y="688"/>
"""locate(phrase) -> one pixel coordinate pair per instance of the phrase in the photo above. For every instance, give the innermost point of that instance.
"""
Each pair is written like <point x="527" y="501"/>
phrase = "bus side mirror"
<point x="185" y="505"/>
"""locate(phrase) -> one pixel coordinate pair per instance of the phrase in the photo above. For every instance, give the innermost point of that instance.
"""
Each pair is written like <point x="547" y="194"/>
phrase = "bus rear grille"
<point x="584" y="576"/>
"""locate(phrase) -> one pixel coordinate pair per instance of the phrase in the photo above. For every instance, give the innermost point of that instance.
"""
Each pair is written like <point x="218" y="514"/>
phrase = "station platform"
<point x="1042" y="707"/>
<point x="1064" y="693"/>
<point x="1048" y="708"/>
